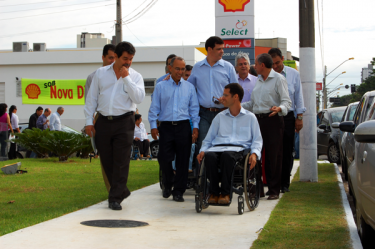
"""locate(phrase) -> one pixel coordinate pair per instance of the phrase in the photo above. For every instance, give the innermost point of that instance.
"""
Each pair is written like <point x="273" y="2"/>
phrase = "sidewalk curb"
<point x="356" y="242"/>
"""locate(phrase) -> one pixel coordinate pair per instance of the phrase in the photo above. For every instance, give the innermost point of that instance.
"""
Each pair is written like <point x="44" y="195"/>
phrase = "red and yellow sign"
<point x="234" y="5"/>
<point x="53" y="92"/>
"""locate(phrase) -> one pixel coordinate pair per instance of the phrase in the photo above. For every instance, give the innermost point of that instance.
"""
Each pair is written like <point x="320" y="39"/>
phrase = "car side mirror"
<point x="365" y="132"/>
<point x="336" y="125"/>
<point x="348" y="126"/>
<point x="322" y="126"/>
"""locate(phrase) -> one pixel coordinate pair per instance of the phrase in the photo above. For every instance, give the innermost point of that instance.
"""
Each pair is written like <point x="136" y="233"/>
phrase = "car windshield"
<point x="68" y="129"/>
<point x="352" y="111"/>
<point x="337" y="115"/>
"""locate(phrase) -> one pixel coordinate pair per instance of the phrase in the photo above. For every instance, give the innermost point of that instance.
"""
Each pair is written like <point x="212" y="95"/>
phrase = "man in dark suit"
<point x="34" y="117"/>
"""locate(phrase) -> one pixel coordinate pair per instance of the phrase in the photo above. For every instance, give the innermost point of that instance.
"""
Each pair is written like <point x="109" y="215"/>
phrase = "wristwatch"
<point x="300" y="117"/>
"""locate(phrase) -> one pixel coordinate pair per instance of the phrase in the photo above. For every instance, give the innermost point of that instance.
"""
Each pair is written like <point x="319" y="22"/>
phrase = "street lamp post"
<point x="325" y="100"/>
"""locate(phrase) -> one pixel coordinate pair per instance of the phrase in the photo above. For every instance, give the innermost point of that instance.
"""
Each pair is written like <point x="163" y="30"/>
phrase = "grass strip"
<point x="310" y="216"/>
<point x="51" y="189"/>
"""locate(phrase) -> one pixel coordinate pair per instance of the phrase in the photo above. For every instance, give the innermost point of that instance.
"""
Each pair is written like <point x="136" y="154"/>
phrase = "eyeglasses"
<point x="215" y="100"/>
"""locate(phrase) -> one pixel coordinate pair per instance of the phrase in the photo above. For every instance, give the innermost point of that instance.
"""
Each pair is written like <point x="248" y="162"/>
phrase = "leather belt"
<point x="116" y="117"/>
<point x="263" y="115"/>
<point x="214" y="109"/>
<point x="176" y="122"/>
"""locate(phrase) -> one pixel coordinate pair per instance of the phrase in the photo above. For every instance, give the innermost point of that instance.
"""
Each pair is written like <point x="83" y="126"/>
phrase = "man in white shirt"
<point x="115" y="92"/>
<point x="141" y="136"/>
<point x="245" y="79"/>
<point x="54" y="120"/>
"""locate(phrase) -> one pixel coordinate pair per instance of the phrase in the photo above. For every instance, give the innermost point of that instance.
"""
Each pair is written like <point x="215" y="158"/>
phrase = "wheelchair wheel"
<point x="241" y="205"/>
<point x="251" y="184"/>
<point x="202" y="187"/>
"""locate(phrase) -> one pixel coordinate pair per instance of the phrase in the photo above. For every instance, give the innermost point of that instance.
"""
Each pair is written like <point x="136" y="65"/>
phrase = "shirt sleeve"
<point x="52" y="121"/>
<point x="257" y="140"/>
<point x="92" y="99"/>
<point x="282" y="90"/>
<point x="248" y="105"/>
<point x="194" y="108"/>
<point x="193" y="76"/>
<point x="233" y="75"/>
<point x="14" y="122"/>
<point x="154" y="110"/>
<point x="211" y="134"/>
<point x="135" y="88"/>
<point x="39" y="122"/>
<point x="298" y="96"/>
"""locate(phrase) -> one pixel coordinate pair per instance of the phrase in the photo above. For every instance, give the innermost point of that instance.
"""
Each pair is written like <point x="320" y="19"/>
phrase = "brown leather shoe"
<point x="224" y="199"/>
<point x="213" y="199"/>
<point x="273" y="197"/>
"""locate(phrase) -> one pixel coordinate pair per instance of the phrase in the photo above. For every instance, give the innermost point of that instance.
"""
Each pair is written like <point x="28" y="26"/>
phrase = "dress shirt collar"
<point x="58" y="114"/>
<point x="173" y="82"/>
<point x="271" y="75"/>
<point x="227" y="112"/>
<point x="248" y="77"/>
<point x="219" y="62"/>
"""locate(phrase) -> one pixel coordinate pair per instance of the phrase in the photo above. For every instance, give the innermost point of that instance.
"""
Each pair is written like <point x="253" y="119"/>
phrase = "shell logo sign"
<point x="234" y="5"/>
<point x="32" y="91"/>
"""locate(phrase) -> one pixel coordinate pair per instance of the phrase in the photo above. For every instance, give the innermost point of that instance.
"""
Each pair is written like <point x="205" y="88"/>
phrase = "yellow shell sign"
<point x="53" y="92"/>
<point x="234" y="5"/>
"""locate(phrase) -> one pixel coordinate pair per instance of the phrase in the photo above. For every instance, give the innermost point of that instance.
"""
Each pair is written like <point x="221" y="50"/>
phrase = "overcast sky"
<point x="348" y="30"/>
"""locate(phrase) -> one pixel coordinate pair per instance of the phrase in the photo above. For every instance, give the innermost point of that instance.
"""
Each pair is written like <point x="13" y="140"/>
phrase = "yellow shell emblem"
<point x="32" y="91"/>
<point x="234" y="5"/>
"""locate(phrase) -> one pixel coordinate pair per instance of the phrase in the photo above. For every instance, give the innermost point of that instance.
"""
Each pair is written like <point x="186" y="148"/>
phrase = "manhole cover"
<point x="114" y="223"/>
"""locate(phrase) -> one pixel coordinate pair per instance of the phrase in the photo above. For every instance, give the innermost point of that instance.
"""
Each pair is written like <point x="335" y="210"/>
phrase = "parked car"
<point x="328" y="136"/>
<point x="154" y="146"/>
<point x="346" y="139"/>
<point x="361" y="175"/>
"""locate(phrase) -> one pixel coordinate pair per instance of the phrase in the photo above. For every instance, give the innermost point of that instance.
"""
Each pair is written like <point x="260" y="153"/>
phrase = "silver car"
<point x="362" y="169"/>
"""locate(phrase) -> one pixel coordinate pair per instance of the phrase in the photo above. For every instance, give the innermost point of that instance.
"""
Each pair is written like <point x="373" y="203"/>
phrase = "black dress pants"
<point x="225" y="161"/>
<point x="272" y="129"/>
<point x="114" y="139"/>
<point x="288" y="144"/>
<point x="175" y="140"/>
<point x="144" y="146"/>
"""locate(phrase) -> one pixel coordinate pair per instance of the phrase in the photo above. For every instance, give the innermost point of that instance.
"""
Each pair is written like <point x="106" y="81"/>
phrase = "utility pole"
<point x="325" y="97"/>
<point x="118" y="22"/>
<point x="308" y="138"/>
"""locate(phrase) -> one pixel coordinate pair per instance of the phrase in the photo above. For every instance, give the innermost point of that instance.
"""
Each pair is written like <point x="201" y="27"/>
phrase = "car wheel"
<point x="154" y="149"/>
<point x="333" y="153"/>
<point x="365" y="231"/>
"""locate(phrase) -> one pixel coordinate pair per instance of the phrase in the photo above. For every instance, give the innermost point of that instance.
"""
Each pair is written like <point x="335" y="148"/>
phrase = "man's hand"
<point x="167" y="78"/>
<point x="124" y="72"/>
<point x="154" y="133"/>
<point x="195" y="134"/>
<point x="136" y="139"/>
<point x="253" y="160"/>
<point x="46" y="122"/>
<point x="89" y="129"/>
<point x="274" y="110"/>
<point x="299" y="125"/>
<point x="200" y="157"/>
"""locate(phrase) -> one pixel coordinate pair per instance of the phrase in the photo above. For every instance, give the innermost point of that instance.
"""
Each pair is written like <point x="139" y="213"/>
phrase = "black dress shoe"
<point x="114" y="206"/>
<point x="166" y="193"/>
<point x="268" y="193"/>
<point x="178" y="198"/>
<point x="284" y="190"/>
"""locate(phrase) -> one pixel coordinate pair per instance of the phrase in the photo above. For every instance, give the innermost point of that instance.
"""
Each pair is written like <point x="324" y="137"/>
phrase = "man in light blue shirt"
<point x="293" y="121"/>
<point x="175" y="101"/>
<point x="209" y="77"/>
<point x="54" y="121"/>
<point x="235" y="126"/>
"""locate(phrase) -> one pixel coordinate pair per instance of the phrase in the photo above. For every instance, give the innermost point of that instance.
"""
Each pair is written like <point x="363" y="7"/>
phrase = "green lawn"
<point x="51" y="189"/>
<point x="310" y="216"/>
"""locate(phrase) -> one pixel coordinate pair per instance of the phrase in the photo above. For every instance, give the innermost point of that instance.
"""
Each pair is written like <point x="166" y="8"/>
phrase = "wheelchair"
<point x="244" y="182"/>
<point x="135" y="153"/>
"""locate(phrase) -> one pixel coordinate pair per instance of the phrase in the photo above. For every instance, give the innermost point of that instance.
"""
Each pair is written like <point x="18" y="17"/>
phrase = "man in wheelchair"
<point x="234" y="126"/>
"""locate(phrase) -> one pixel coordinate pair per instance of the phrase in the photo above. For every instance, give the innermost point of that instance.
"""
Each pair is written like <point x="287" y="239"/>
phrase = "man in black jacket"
<point x="32" y="123"/>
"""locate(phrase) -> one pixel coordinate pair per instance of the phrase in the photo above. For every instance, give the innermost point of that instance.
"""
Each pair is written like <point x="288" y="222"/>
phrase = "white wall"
<point x="78" y="64"/>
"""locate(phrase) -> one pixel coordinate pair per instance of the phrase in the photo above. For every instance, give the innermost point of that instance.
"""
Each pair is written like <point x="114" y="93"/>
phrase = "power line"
<point x="57" y="12"/>
<point x="32" y="3"/>
<point x="48" y="30"/>
<point x="141" y="13"/>
<point x="134" y="34"/>
<point x="135" y="9"/>
<point x="54" y="6"/>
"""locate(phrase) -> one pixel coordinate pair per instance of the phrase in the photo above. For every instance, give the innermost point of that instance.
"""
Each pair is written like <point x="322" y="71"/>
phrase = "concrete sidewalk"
<point x="171" y="225"/>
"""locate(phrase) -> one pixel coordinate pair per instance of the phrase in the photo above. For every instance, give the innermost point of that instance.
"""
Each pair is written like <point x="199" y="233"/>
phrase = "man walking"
<point x="54" y="120"/>
<point x="174" y="103"/>
<point x="42" y="122"/>
<point x="269" y="102"/>
<point x="293" y="121"/>
<point x="115" y="90"/>
<point x="209" y="77"/>
<point x="245" y="79"/>
<point x="34" y="117"/>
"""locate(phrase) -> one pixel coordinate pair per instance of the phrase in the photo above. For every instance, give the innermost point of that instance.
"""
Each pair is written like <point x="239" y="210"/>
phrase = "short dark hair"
<point x="137" y="116"/>
<point x="266" y="59"/>
<point x="39" y="108"/>
<point x="210" y="43"/>
<point x="252" y="71"/>
<point x="235" y="88"/>
<point x="124" y="47"/>
<point x="46" y="110"/>
<point x="275" y="52"/>
<point x="169" y="57"/>
<point x="188" y="67"/>
<point x="108" y="47"/>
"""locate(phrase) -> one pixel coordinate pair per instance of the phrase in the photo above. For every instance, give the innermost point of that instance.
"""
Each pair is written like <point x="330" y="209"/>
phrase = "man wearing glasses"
<point x="209" y="77"/>
<point x="175" y="101"/>
<point x="245" y="79"/>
